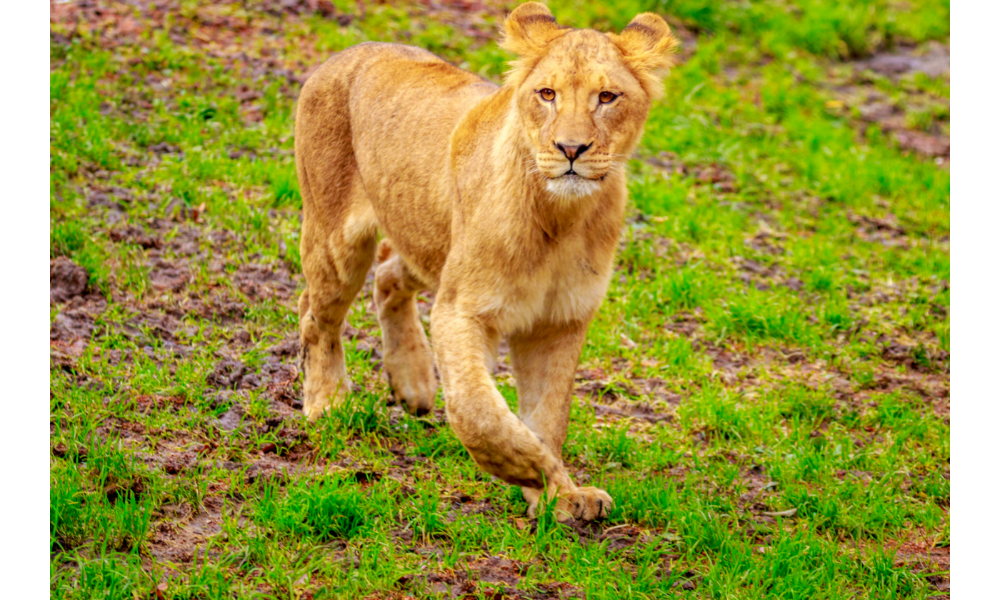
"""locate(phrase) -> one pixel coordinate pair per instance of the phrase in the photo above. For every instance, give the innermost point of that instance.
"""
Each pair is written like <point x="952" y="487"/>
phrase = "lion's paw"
<point x="320" y="398"/>
<point x="412" y="380"/>
<point x="315" y="411"/>
<point x="589" y="503"/>
<point x="584" y="503"/>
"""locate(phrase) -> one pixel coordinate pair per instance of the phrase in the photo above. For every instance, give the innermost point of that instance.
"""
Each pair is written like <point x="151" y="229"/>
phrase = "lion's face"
<point x="583" y="112"/>
<point x="583" y="96"/>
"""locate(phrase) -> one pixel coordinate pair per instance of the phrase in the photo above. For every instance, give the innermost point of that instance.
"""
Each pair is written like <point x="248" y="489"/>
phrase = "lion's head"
<point x="583" y="96"/>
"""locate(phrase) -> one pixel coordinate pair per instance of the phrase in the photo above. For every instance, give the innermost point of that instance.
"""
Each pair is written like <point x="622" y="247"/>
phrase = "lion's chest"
<point x="568" y="287"/>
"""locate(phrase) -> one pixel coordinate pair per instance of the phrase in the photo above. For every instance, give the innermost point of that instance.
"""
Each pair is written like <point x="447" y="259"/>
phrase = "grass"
<point x="765" y="391"/>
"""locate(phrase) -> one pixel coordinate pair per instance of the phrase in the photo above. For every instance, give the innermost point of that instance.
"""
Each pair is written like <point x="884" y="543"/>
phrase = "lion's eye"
<point x="607" y="97"/>
<point x="547" y="94"/>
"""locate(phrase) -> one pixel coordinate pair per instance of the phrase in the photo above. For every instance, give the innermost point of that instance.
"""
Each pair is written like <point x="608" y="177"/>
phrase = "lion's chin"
<point x="572" y="186"/>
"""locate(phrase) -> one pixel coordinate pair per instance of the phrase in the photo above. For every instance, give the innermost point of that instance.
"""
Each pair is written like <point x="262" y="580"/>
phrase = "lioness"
<point x="507" y="201"/>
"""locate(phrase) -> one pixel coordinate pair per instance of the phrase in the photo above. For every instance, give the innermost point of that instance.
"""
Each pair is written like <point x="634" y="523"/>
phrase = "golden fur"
<point x="473" y="188"/>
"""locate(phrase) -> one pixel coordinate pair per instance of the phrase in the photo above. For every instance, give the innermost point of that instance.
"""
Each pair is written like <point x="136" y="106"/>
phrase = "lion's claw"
<point x="591" y="503"/>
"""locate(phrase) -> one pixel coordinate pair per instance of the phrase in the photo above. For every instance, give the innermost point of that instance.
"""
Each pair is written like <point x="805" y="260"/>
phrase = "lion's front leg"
<point x="544" y="361"/>
<point x="497" y="439"/>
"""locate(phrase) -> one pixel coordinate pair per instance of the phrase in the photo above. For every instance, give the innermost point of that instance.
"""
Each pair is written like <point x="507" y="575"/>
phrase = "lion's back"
<point x="393" y="108"/>
<point x="382" y="87"/>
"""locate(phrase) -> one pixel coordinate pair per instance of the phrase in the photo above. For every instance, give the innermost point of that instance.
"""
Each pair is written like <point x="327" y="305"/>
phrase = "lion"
<point x="506" y="201"/>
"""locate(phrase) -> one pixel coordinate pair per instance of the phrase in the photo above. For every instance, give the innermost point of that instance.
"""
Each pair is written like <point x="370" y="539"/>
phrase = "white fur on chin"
<point x="571" y="186"/>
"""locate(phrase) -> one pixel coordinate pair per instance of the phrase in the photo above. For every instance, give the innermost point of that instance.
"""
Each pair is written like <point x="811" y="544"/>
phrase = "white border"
<point x="24" y="42"/>
<point x="975" y="218"/>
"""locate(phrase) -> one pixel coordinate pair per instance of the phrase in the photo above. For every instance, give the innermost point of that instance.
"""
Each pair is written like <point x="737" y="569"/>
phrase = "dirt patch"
<point x="181" y="531"/>
<point x="112" y="197"/>
<point x="287" y="348"/>
<point x="260" y="282"/>
<point x="279" y="378"/>
<point x="884" y="230"/>
<point x="596" y="384"/>
<point x="216" y="306"/>
<point x="924" y="143"/>
<point x="66" y="280"/>
<point x="187" y="241"/>
<point x="917" y="120"/>
<point x="154" y="329"/>
<point x="641" y="410"/>
<point x="151" y="324"/>
<point x="933" y="388"/>
<point x="717" y="175"/>
<point x="930" y="561"/>
<point x="757" y="486"/>
<point x="915" y="355"/>
<point x="933" y="60"/>
<point x="763" y="276"/>
<point x="72" y="328"/>
<point x="133" y="234"/>
<point x="73" y="323"/>
<point x="282" y="383"/>
<point x="790" y="366"/>
<point x="685" y="324"/>
<point x="766" y="241"/>
<point x="490" y="577"/>
<point x="168" y="276"/>
<point x="228" y="374"/>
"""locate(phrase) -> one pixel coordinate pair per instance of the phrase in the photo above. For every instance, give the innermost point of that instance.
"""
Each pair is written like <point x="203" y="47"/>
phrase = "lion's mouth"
<point x="571" y="174"/>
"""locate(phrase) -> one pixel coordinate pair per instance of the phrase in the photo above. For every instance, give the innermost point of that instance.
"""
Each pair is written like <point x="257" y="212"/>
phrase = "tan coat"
<point x="506" y="200"/>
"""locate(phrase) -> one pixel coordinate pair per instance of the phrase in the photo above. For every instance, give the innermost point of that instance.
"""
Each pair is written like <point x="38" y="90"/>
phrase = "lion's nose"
<point x="573" y="151"/>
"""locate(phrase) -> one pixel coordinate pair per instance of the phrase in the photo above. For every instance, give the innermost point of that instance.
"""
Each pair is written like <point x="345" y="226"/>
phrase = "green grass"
<point x="780" y="306"/>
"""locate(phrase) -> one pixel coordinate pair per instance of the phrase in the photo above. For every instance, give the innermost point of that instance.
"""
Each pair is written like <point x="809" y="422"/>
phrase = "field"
<point x="765" y="391"/>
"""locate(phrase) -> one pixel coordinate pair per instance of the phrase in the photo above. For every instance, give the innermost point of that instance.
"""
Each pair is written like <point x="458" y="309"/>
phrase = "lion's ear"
<point x="647" y="45"/>
<point x="528" y="29"/>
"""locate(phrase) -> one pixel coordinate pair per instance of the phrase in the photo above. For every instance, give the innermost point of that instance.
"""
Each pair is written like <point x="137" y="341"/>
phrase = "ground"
<point x="765" y="392"/>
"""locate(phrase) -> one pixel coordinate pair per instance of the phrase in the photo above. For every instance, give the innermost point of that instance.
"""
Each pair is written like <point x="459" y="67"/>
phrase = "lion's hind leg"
<point x="339" y="232"/>
<point x="407" y="356"/>
<point x="336" y="258"/>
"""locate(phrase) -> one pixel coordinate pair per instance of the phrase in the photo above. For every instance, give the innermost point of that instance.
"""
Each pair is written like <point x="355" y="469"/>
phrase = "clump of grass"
<point x="131" y="274"/>
<point x="108" y="577"/>
<point x="429" y="518"/>
<point x="616" y="446"/>
<point x="106" y="503"/>
<point x="66" y="507"/>
<point x="895" y="413"/>
<point x="720" y="413"/>
<point x="362" y="414"/>
<point x="686" y="288"/>
<point x="758" y="316"/>
<point x="323" y="508"/>
<point x="93" y="258"/>
<point x="439" y="444"/>
<point x="803" y="404"/>
<point x="285" y="186"/>
<point x="877" y="568"/>
<point x="652" y="500"/>
<point x="67" y="238"/>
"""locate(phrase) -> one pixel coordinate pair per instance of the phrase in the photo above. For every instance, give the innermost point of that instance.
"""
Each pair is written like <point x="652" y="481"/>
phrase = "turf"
<point x="765" y="391"/>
